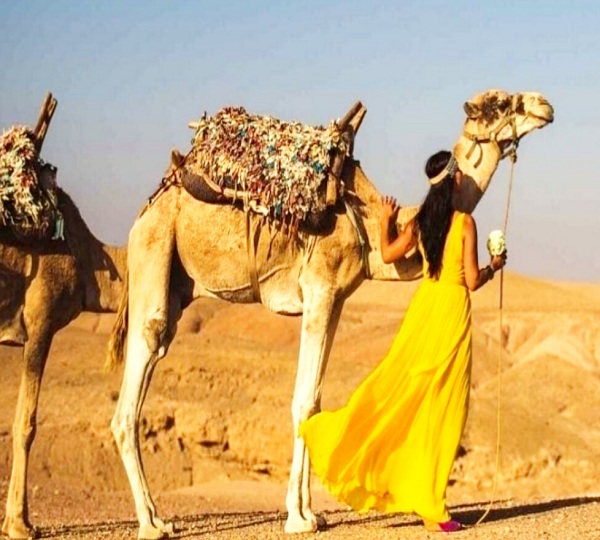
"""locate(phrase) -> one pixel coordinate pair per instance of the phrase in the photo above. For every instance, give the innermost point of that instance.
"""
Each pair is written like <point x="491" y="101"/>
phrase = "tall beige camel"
<point x="181" y="249"/>
<point x="42" y="288"/>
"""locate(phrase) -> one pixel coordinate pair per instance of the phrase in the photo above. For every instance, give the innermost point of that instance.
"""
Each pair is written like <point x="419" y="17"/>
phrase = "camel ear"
<point x="471" y="109"/>
<point x="176" y="158"/>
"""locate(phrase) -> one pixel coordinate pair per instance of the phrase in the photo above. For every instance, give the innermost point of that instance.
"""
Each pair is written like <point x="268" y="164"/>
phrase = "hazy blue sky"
<point x="129" y="76"/>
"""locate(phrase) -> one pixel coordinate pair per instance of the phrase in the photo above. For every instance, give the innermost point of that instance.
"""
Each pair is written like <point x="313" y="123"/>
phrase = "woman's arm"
<point x="474" y="276"/>
<point x="392" y="250"/>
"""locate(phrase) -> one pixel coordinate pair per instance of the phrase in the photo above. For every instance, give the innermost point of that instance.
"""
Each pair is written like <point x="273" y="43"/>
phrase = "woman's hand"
<point x="389" y="208"/>
<point x="498" y="261"/>
<point x="393" y="249"/>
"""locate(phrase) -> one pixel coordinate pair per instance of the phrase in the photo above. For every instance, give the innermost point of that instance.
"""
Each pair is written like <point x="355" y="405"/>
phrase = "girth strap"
<point x="360" y="234"/>
<point x="251" y="245"/>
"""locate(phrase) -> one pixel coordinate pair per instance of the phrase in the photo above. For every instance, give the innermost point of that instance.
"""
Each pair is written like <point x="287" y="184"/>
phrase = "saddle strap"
<point x="251" y="245"/>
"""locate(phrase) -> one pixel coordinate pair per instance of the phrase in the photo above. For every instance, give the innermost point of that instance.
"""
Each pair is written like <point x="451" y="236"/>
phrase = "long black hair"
<point x="436" y="212"/>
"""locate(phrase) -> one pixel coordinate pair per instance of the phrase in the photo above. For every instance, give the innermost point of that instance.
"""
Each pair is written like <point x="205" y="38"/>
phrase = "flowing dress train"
<point x="392" y="446"/>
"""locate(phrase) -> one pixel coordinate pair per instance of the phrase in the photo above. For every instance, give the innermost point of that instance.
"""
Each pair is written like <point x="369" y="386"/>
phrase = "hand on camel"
<point x="389" y="208"/>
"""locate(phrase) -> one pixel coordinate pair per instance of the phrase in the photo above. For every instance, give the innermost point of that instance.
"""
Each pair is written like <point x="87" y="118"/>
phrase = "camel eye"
<point x="503" y="105"/>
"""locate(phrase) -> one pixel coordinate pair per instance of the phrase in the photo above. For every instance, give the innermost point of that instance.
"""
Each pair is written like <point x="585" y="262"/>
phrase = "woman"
<point x="391" y="448"/>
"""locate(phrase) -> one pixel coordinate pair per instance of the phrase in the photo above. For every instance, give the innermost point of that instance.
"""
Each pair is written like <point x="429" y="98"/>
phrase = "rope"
<point x="513" y="159"/>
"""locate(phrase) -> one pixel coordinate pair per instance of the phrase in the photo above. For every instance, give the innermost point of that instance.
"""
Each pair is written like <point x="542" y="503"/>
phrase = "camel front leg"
<point x="319" y="323"/>
<point x="35" y="353"/>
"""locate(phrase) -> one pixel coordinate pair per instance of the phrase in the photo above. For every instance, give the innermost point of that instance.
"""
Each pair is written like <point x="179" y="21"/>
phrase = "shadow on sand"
<point x="208" y="524"/>
<point x="469" y="516"/>
<point x="187" y="526"/>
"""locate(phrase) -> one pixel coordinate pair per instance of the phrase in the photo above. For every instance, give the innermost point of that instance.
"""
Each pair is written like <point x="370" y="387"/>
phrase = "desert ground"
<point x="217" y="432"/>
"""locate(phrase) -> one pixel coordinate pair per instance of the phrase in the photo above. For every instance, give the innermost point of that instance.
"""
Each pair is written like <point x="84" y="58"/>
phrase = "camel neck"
<point x="478" y="170"/>
<point x="100" y="267"/>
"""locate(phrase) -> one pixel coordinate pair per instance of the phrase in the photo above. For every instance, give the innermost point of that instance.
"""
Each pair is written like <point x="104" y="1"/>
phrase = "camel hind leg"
<point x="139" y="367"/>
<point x="149" y="334"/>
<point x="35" y="353"/>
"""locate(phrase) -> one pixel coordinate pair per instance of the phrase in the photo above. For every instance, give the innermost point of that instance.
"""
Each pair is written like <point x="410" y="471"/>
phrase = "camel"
<point x="43" y="287"/>
<point x="181" y="249"/>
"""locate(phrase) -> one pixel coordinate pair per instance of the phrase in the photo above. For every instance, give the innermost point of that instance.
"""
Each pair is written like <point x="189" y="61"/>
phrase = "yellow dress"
<point x="392" y="446"/>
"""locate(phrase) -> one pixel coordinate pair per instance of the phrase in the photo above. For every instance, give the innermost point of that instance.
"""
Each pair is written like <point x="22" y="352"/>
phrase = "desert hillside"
<point x="217" y="417"/>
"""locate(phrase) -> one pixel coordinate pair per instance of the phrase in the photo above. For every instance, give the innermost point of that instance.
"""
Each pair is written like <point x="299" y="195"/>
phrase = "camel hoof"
<point x="150" y="532"/>
<point x="321" y="522"/>
<point x="298" y="525"/>
<point x="18" y="529"/>
<point x="315" y="518"/>
<point x="167" y="528"/>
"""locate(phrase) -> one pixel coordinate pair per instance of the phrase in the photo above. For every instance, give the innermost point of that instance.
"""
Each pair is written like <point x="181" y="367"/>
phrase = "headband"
<point x="448" y="170"/>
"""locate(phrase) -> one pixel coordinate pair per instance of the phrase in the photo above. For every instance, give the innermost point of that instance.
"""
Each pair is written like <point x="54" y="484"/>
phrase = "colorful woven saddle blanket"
<point x="277" y="166"/>
<point x="28" y="198"/>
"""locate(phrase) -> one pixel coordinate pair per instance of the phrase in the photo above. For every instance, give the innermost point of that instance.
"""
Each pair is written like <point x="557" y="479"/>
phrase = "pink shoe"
<point x="447" y="526"/>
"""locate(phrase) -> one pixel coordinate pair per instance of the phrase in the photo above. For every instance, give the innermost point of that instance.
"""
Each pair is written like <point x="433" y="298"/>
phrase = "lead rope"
<point x="513" y="158"/>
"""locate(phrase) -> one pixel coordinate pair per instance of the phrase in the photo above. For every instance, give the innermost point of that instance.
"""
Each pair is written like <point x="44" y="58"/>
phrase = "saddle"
<point x="28" y="191"/>
<point x="28" y="200"/>
<point x="288" y="173"/>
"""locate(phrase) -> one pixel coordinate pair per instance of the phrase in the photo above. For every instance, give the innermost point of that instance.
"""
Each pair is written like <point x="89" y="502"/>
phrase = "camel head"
<point x="504" y="117"/>
<point x="496" y="122"/>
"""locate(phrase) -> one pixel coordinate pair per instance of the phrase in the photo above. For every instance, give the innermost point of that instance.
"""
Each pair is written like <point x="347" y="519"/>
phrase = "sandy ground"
<point x="254" y="510"/>
<point x="217" y="439"/>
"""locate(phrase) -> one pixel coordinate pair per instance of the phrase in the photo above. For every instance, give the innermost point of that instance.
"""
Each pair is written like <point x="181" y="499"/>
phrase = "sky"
<point x="129" y="76"/>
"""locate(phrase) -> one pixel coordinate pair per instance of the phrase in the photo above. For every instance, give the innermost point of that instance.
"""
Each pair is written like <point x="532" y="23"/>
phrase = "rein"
<point x="513" y="158"/>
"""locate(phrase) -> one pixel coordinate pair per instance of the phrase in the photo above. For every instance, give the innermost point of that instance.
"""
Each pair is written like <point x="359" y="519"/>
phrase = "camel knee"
<point x="122" y="426"/>
<point x="24" y="432"/>
<point x="157" y="335"/>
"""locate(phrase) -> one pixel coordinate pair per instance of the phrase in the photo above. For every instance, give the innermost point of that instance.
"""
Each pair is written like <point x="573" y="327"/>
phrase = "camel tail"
<point x="116" y="344"/>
